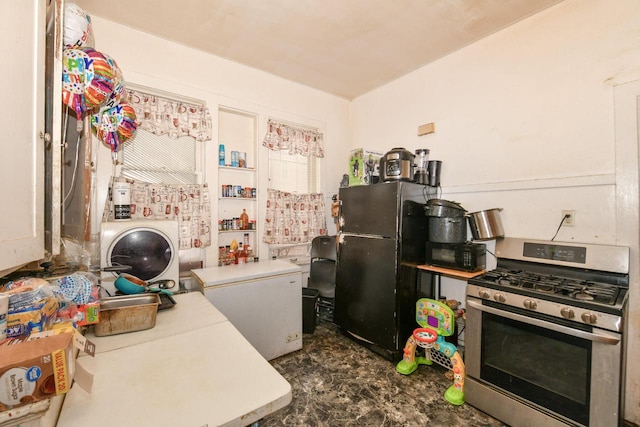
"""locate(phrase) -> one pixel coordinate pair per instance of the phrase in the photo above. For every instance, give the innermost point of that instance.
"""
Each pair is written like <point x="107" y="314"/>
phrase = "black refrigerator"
<point x="381" y="241"/>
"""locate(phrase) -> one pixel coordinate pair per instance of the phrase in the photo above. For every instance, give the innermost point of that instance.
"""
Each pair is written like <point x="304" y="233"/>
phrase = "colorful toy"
<point x="437" y="321"/>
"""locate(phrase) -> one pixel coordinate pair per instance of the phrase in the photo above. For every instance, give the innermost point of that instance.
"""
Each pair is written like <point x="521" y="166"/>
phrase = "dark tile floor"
<point x="337" y="382"/>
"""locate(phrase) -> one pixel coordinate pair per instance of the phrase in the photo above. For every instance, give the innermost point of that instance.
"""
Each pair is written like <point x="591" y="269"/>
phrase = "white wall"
<point x="524" y="121"/>
<point x="154" y="62"/>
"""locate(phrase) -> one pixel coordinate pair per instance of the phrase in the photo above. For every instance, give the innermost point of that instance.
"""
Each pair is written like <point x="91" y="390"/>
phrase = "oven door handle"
<point x="595" y="336"/>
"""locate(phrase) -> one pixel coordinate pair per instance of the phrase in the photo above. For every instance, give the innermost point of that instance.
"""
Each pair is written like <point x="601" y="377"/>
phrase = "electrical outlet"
<point x="293" y="336"/>
<point x="570" y="220"/>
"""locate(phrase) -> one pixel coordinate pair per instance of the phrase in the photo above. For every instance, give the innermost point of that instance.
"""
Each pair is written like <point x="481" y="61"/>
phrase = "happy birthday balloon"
<point x="118" y="85"/>
<point x="73" y="80"/>
<point x="78" y="31"/>
<point x="116" y="125"/>
<point x="99" y="78"/>
<point x="128" y="126"/>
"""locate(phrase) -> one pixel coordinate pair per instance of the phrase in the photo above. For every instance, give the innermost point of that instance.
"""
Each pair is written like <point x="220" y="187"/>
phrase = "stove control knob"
<point x="567" y="313"/>
<point x="530" y="304"/>
<point x="589" y="318"/>
<point x="483" y="293"/>
<point x="500" y="297"/>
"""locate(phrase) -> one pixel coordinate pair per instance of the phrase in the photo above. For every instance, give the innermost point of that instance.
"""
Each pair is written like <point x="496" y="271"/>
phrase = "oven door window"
<point x="147" y="252"/>
<point x="542" y="366"/>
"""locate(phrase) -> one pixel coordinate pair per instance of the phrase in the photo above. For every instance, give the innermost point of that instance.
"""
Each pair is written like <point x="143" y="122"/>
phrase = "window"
<point x="294" y="157"/>
<point x="167" y="146"/>
<point x="160" y="159"/>
<point x="293" y="173"/>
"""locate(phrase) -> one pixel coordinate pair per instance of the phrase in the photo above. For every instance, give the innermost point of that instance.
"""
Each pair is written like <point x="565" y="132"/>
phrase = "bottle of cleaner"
<point x="221" y="157"/>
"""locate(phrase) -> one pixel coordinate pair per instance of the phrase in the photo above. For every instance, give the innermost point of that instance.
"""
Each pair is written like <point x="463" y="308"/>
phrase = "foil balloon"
<point x="118" y="85"/>
<point x="99" y="78"/>
<point x="128" y="126"/>
<point x="116" y="125"/>
<point x="73" y="80"/>
<point x="78" y="31"/>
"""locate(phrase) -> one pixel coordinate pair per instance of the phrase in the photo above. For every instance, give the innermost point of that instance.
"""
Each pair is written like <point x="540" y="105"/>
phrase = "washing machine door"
<point x="148" y="252"/>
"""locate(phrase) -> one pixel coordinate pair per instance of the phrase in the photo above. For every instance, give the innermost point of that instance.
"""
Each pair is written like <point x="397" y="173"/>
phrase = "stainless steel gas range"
<point x="543" y="341"/>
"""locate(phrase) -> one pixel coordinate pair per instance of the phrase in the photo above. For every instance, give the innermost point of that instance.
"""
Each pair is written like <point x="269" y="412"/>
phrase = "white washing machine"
<point x="149" y="247"/>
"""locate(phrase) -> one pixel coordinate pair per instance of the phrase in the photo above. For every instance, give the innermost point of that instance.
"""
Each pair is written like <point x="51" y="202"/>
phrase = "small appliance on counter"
<point x="397" y="165"/>
<point x="433" y="173"/>
<point x="458" y="256"/>
<point x="422" y="164"/>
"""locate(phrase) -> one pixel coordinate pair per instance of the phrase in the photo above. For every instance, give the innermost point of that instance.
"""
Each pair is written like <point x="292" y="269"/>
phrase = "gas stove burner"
<point x="504" y="281"/>
<point x="545" y="287"/>
<point x="555" y="286"/>
<point x="583" y="295"/>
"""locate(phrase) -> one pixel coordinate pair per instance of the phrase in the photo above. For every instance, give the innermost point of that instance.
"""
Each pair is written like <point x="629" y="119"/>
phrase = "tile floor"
<point x="337" y="382"/>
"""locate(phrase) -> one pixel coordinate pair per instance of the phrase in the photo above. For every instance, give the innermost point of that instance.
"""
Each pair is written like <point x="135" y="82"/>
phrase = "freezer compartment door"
<point x="370" y="209"/>
<point x="365" y="303"/>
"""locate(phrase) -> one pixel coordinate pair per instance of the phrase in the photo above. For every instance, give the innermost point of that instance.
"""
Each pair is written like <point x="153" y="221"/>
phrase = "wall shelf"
<point x="237" y="131"/>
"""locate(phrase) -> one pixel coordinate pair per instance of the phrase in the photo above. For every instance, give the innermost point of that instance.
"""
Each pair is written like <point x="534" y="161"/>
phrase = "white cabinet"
<point x="262" y="300"/>
<point x="22" y="119"/>
<point x="238" y="177"/>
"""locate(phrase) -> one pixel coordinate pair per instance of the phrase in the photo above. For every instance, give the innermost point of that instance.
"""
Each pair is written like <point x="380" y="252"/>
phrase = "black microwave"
<point x="458" y="256"/>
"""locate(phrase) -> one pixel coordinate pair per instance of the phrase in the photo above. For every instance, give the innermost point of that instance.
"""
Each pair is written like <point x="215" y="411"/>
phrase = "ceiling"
<point x="343" y="47"/>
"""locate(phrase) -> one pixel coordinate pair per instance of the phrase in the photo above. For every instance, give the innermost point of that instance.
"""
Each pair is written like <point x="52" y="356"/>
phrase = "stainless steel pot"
<point x="486" y="225"/>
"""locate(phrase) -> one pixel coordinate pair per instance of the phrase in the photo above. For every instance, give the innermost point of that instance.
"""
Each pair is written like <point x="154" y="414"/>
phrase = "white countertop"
<point x="213" y="276"/>
<point x="206" y="376"/>
<point x="191" y="312"/>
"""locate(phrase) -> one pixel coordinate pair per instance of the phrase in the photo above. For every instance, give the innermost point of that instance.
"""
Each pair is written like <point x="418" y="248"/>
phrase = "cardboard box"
<point x="36" y="369"/>
<point x="363" y="164"/>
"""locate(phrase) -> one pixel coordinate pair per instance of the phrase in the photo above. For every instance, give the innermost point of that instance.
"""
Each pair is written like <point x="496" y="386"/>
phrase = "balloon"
<point x="128" y="125"/>
<point x="73" y="80"/>
<point x="99" y="78"/>
<point x="118" y="86"/>
<point x="78" y="31"/>
<point x="116" y="125"/>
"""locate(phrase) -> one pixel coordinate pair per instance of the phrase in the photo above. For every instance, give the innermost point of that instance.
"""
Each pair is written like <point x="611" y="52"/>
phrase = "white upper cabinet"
<point x="23" y="41"/>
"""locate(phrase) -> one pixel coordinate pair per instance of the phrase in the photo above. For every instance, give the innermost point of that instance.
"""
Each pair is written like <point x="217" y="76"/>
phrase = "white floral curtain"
<point x="294" y="218"/>
<point x="162" y="116"/>
<point x="189" y="204"/>
<point x="295" y="140"/>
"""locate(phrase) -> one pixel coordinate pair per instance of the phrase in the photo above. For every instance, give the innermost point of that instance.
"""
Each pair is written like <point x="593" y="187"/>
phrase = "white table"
<point x="193" y="369"/>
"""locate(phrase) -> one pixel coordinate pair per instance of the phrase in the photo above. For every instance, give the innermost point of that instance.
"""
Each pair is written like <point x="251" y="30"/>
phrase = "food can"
<point x="242" y="159"/>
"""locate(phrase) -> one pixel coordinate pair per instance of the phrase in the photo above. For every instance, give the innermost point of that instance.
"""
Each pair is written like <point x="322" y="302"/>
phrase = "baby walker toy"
<point x="436" y="319"/>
